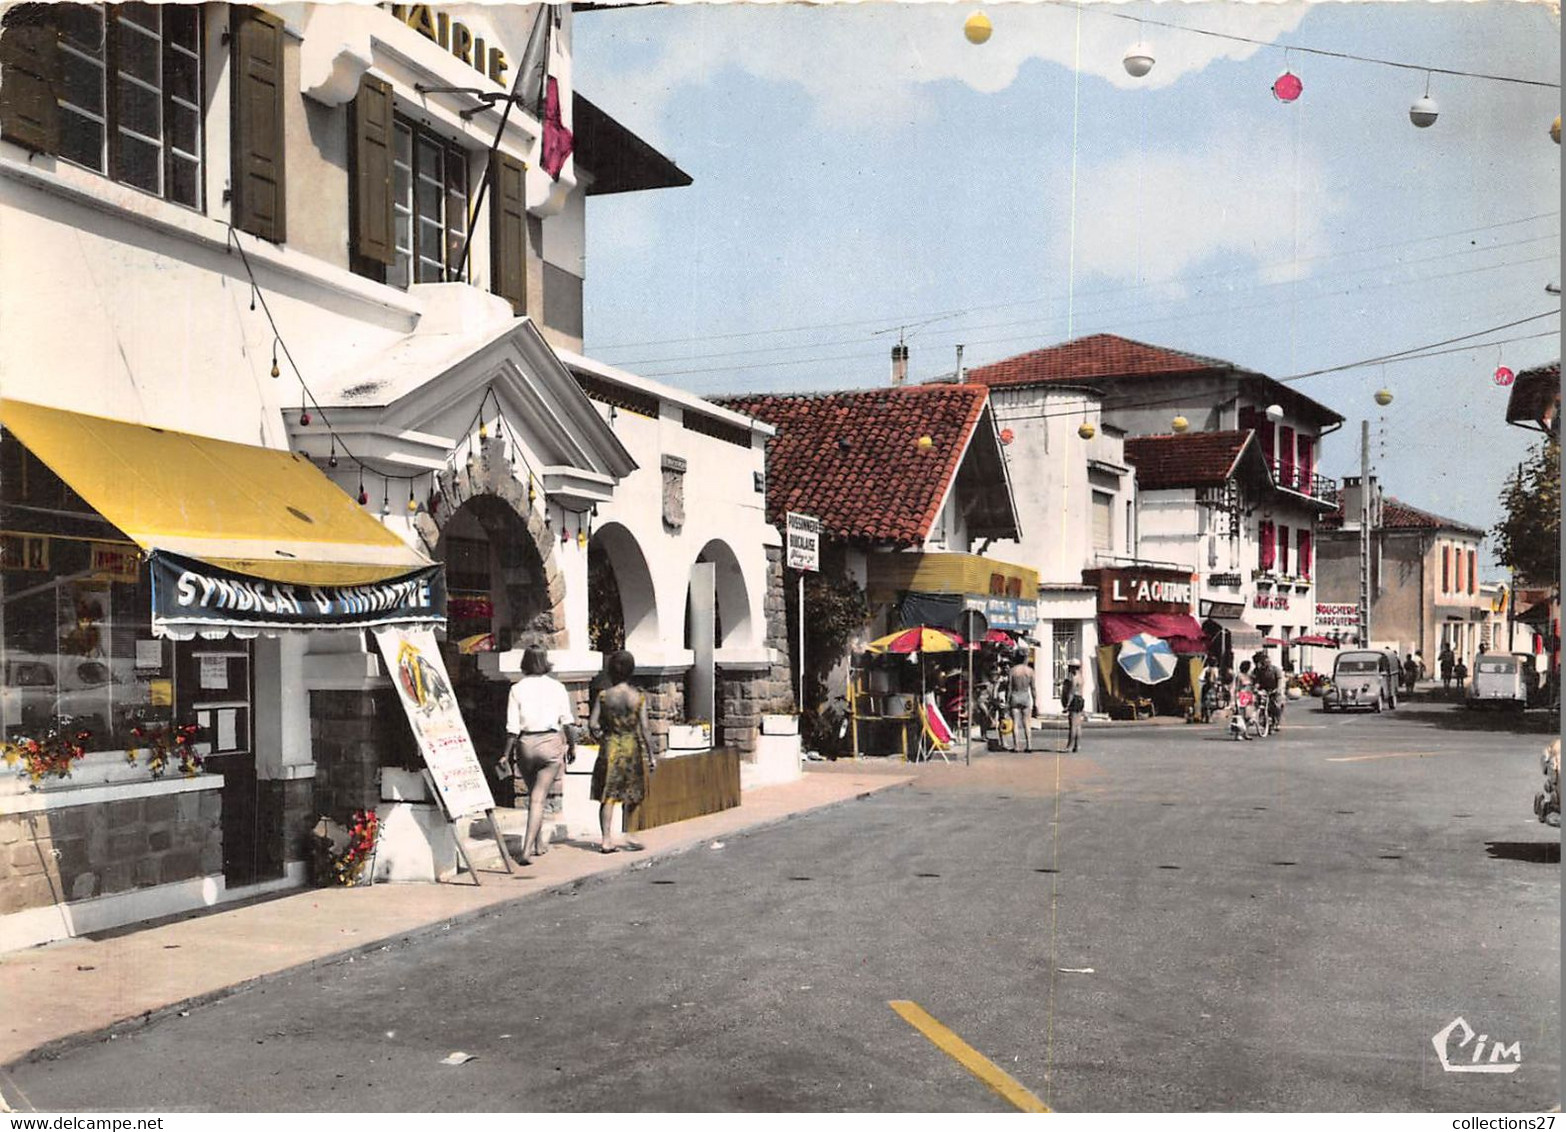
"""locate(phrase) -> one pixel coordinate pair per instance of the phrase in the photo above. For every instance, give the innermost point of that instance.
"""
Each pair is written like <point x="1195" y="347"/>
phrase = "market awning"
<point x="253" y="536"/>
<point x="1181" y="630"/>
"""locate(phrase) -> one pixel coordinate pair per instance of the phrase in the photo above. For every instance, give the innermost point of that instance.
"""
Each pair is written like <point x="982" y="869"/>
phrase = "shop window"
<point x="114" y="89"/>
<point x="76" y="643"/>
<point x="410" y="195"/>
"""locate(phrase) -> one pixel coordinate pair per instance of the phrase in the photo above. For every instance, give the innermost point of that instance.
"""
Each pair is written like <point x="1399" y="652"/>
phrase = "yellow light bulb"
<point x="977" y="28"/>
<point x="1086" y="430"/>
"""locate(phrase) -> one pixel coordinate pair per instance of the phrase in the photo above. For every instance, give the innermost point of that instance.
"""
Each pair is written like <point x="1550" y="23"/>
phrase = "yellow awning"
<point x="258" y="511"/>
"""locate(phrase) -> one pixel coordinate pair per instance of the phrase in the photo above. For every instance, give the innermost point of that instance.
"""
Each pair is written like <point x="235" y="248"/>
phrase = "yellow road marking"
<point x="998" y="1080"/>
<point x="1388" y="755"/>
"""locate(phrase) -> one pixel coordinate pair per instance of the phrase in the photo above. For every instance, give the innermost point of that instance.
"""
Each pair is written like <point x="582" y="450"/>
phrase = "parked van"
<point x="1502" y="680"/>
<point x="1363" y="679"/>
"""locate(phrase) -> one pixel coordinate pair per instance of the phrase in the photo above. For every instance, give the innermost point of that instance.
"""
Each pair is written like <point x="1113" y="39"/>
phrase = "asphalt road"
<point x="1169" y="921"/>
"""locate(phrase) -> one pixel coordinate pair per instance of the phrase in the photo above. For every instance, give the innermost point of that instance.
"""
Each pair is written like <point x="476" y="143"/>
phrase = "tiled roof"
<point x="854" y="461"/>
<point x="1193" y="459"/>
<point x="1399" y="516"/>
<point x="1098" y="355"/>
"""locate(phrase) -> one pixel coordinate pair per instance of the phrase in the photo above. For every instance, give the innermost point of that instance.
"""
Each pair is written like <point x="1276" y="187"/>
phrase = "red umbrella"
<point x="1275" y="642"/>
<point x="1316" y="641"/>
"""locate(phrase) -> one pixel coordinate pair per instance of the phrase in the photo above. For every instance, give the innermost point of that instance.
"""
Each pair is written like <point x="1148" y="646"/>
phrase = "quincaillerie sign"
<point x="189" y="596"/>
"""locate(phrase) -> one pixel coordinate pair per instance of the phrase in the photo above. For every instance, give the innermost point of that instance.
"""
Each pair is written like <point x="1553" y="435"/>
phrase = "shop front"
<point x="148" y="580"/>
<point x="1151" y="649"/>
<point x="942" y="592"/>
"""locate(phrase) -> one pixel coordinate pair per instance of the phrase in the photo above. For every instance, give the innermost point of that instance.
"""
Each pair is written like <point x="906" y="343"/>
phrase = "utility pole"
<point x="1364" y="534"/>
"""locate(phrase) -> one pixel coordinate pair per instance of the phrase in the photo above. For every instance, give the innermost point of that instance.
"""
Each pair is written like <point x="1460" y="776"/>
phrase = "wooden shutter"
<point x="1305" y="549"/>
<point x="258" y="184"/>
<point x="29" y="77"/>
<point x="374" y="144"/>
<point x="508" y="231"/>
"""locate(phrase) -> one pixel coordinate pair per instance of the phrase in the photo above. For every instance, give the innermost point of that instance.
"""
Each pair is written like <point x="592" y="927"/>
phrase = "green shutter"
<point x="508" y="231"/>
<point x="373" y="147"/>
<point x="29" y="76"/>
<point x="258" y="184"/>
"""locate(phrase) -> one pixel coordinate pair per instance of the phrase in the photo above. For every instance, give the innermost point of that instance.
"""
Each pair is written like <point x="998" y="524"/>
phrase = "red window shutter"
<point x="1283" y="549"/>
<point x="258" y="185"/>
<point x="1269" y="548"/>
<point x="1473" y="586"/>
<point x="1446" y="569"/>
<point x="1305" y="549"/>
<point x="29" y="78"/>
<point x="1286" y="456"/>
<point x="373" y="220"/>
<point x="1307" y="460"/>
<point x="508" y="231"/>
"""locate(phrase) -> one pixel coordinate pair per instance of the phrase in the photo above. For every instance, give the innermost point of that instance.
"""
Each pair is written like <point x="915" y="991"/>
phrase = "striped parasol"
<point x="1147" y="659"/>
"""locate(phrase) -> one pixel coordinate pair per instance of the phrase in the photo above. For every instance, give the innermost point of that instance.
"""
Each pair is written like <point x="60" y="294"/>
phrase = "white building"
<point x="256" y="251"/>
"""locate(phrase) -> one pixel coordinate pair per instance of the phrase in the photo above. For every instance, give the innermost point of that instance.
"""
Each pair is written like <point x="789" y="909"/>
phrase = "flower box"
<point x="690" y="736"/>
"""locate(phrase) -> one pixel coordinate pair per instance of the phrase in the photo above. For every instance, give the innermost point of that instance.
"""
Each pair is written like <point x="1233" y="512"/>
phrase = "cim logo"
<point x="1503" y="1059"/>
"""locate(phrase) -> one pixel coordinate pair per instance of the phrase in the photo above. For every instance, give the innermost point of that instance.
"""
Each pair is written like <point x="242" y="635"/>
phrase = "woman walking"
<point x="538" y="715"/>
<point x="625" y="758"/>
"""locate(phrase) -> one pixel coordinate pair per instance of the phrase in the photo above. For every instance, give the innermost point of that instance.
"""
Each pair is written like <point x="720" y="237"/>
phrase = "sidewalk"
<point x="64" y="993"/>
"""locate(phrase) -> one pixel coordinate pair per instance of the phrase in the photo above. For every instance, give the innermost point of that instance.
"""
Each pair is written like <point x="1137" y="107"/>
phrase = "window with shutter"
<point x="371" y="168"/>
<point x="508" y="231"/>
<point x="1473" y="585"/>
<point x="29" y="78"/>
<point x="1446" y="569"/>
<point x="114" y="89"/>
<point x="1103" y="519"/>
<point x="1283" y="550"/>
<point x="258" y="186"/>
<point x="1304" y="554"/>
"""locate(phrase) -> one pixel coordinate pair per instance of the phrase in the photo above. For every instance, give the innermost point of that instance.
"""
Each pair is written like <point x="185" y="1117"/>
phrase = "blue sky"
<point x="860" y="168"/>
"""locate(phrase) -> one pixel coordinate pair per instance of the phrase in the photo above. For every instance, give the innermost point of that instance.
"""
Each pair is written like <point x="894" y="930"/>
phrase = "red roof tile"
<point x="853" y="459"/>
<point x="1193" y="459"/>
<point x="1098" y="355"/>
<point x="1399" y="516"/>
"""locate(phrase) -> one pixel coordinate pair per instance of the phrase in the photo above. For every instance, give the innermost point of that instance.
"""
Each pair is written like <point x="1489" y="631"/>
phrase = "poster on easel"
<point x="414" y="663"/>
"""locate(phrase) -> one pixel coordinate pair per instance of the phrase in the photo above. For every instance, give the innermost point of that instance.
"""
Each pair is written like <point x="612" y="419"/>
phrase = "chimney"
<point x="959" y="364"/>
<point x="899" y="364"/>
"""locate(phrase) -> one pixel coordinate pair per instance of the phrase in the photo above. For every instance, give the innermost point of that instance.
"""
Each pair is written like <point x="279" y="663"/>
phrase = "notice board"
<point x="413" y="661"/>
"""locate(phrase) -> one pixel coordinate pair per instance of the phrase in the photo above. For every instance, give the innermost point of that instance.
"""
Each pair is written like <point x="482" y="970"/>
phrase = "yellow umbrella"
<point x="921" y="639"/>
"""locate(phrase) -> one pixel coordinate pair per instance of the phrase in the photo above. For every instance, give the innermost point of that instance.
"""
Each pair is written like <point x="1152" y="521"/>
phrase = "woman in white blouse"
<point x="538" y="712"/>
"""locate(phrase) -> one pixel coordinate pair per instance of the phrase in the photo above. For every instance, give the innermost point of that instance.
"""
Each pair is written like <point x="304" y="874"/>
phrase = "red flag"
<point x="557" y="139"/>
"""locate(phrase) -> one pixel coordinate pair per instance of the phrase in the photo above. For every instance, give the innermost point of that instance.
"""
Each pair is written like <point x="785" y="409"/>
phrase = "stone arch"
<point x="489" y="481"/>
<point x="734" y="620"/>
<point x="632" y="581"/>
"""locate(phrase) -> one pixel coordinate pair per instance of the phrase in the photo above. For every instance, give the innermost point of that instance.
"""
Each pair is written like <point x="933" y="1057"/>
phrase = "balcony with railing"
<point x="1304" y="481"/>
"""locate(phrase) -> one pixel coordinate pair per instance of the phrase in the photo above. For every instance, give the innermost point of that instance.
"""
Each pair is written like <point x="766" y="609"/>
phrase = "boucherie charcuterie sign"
<point x="189" y="596"/>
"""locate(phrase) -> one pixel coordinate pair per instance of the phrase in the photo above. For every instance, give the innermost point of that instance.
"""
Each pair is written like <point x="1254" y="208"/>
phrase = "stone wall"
<point x="96" y="850"/>
<point x="745" y="695"/>
<point x="353" y="735"/>
<point x="288" y="814"/>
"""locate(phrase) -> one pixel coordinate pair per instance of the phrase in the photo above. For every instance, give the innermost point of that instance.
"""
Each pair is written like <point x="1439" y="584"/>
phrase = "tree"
<point x="1528" y="538"/>
<point x="835" y="610"/>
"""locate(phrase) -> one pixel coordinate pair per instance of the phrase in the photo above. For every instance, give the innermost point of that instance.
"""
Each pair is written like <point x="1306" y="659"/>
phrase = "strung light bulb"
<point x="1138" y="60"/>
<point x="1179" y="424"/>
<point x="364" y="496"/>
<point x="977" y="28"/>
<point x="1555" y="130"/>
<point x="1287" y="87"/>
<point x="1274" y="412"/>
<point x="581" y="539"/>
<point x="1424" y="112"/>
<point x="413" y="504"/>
<point x="304" y="418"/>
<point x="331" y="461"/>
<point x="483" y="431"/>
<point x="924" y="443"/>
<point x="531" y="494"/>
<point x="1086" y="430"/>
<point x="275" y="371"/>
<point x="1007" y="436"/>
<point x="1504" y="376"/>
<point x="1383" y="397"/>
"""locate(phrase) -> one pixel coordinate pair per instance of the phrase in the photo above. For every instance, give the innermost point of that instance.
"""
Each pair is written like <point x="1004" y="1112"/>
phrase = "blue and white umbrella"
<point x="1147" y="659"/>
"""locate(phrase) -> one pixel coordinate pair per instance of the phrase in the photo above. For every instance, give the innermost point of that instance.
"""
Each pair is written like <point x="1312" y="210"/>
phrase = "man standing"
<point x="1445" y="660"/>
<point x="1019" y="699"/>
<point x="1071" y="699"/>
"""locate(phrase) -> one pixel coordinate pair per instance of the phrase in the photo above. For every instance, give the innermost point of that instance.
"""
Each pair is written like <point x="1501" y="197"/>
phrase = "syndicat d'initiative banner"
<point x="413" y="661"/>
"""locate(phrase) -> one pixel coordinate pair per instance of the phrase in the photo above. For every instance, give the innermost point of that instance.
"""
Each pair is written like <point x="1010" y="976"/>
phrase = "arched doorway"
<point x="621" y="608"/>
<point x="498" y="598"/>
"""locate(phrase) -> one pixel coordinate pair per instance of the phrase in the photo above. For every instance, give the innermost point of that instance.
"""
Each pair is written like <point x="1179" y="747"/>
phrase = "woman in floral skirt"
<point x="625" y="760"/>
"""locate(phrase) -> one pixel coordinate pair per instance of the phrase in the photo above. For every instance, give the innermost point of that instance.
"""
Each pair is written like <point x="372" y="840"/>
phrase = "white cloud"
<point x="865" y="62"/>
<point x="1157" y="217"/>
